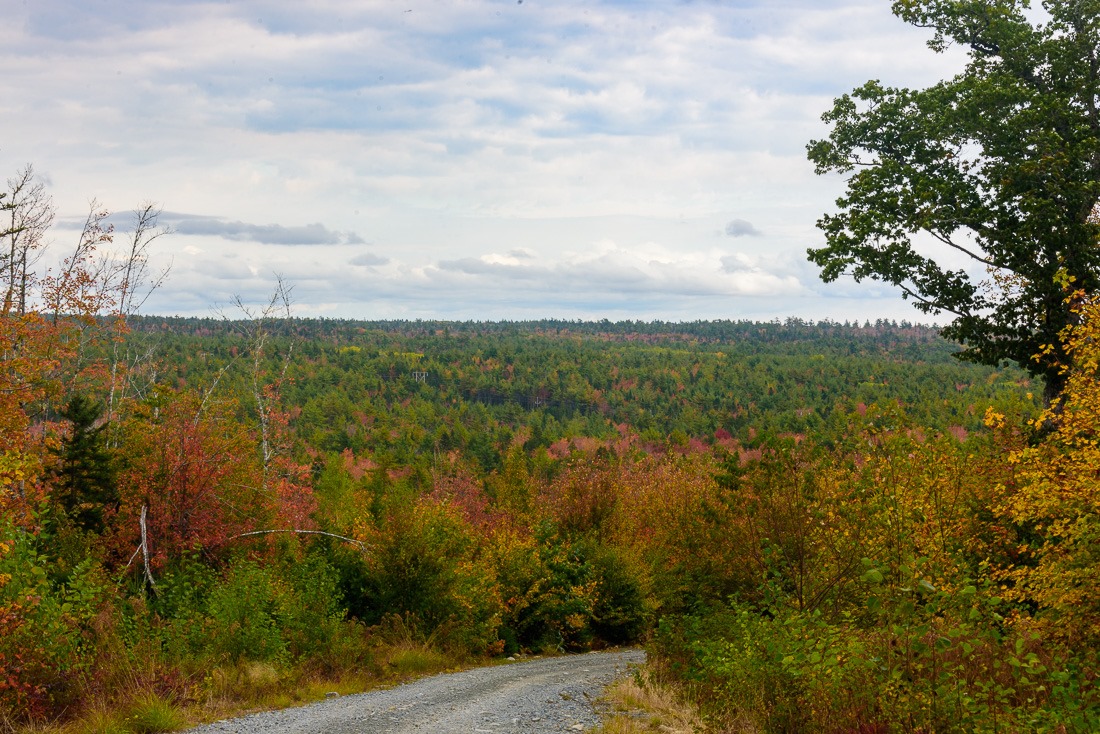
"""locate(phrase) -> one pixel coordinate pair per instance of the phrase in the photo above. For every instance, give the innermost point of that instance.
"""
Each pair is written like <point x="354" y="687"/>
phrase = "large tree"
<point x="997" y="168"/>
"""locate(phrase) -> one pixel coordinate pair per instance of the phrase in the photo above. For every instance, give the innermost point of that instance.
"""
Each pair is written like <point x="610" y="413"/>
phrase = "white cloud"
<point x="485" y="149"/>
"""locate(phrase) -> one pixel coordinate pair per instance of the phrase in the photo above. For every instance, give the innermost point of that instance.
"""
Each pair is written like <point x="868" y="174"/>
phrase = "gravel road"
<point x="537" y="696"/>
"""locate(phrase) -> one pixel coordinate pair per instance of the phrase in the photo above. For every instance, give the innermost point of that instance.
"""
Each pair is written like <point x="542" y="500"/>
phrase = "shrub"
<point x="243" y="614"/>
<point x="563" y="592"/>
<point x="310" y="611"/>
<point x="622" y="611"/>
<point x="423" y="564"/>
<point x="46" y="637"/>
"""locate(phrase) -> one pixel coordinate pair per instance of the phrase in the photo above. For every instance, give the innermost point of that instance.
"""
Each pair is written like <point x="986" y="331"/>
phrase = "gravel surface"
<point x="543" y="695"/>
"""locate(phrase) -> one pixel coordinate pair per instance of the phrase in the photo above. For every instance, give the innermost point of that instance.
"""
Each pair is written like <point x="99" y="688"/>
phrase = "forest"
<point x="810" y="526"/>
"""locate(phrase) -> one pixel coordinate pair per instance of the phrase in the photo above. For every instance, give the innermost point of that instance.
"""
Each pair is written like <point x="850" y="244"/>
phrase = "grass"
<point x="103" y="721"/>
<point x="640" y="705"/>
<point x="151" y="714"/>
<point x="212" y="691"/>
<point x="147" y="713"/>
<point x="226" y="691"/>
<point x="415" y="661"/>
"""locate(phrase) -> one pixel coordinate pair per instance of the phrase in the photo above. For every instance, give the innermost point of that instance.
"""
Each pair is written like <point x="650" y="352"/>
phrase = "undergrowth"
<point x="640" y="704"/>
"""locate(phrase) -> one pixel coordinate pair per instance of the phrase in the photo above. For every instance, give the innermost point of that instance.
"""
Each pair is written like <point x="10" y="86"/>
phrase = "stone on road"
<point x="534" y="697"/>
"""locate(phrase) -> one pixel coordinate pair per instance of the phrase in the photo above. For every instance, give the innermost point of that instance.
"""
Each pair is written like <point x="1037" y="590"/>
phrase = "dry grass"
<point x="640" y="704"/>
<point x="227" y="690"/>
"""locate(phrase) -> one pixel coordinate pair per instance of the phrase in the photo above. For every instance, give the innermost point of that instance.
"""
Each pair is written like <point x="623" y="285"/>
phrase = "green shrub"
<point x="424" y="565"/>
<point x="244" y="615"/>
<point x="622" y="611"/>
<point x="921" y="667"/>
<point x="309" y="610"/>
<point x="47" y="644"/>
<point x="550" y="589"/>
<point x="177" y="612"/>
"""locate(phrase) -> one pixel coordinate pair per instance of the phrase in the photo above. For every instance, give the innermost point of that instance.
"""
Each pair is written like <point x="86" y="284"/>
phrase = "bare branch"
<point x="130" y="280"/>
<point x="933" y="304"/>
<point x="145" y="549"/>
<point x="30" y="213"/>
<point x="346" y="539"/>
<point x="951" y="243"/>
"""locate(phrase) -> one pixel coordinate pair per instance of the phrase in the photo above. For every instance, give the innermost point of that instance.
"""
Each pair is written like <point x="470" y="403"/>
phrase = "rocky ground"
<point x="537" y="696"/>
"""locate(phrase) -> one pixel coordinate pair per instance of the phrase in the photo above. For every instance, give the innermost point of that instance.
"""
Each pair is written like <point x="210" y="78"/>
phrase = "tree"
<point x="1057" y="498"/>
<point x="86" y="472"/>
<point x="998" y="166"/>
<point x="132" y="281"/>
<point x="190" y="479"/>
<point x="28" y="213"/>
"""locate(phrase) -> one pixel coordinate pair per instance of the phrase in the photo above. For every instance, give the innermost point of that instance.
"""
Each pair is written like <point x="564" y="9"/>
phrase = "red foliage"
<point x="958" y="432"/>
<point x="284" y="478"/>
<point x="357" y="466"/>
<point x="459" y="488"/>
<point x="195" y="471"/>
<point x="16" y="693"/>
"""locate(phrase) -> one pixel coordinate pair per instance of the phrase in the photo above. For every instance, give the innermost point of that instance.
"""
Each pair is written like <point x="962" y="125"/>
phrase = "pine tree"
<point x="86" y="475"/>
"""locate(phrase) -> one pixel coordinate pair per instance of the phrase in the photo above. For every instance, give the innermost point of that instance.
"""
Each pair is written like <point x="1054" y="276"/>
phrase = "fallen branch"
<point x="344" y="538"/>
<point x="136" y="551"/>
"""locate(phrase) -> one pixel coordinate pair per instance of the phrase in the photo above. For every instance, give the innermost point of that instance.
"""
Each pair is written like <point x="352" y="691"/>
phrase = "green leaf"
<point x="873" y="576"/>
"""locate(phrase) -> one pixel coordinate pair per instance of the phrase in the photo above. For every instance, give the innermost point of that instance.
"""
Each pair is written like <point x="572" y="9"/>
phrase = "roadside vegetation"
<point x="639" y="704"/>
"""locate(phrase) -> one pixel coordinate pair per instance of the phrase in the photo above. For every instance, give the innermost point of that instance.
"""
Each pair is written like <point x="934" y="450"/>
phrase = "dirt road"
<point x="537" y="696"/>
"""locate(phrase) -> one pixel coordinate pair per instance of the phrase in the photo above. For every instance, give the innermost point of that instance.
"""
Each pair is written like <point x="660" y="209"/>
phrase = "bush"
<point x="310" y="612"/>
<point x="622" y="610"/>
<point x="176" y="614"/>
<point x="47" y="641"/>
<point x="243" y="623"/>
<point x="565" y="593"/>
<point x="930" y="661"/>
<point x="424" y="565"/>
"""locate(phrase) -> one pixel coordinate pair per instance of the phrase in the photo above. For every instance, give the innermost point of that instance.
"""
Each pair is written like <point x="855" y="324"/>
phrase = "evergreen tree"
<point x="86" y="475"/>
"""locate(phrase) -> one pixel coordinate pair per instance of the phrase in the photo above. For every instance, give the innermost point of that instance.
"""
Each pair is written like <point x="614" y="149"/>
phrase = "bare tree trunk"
<point x="30" y="213"/>
<point x="133" y="284"/>
<point x="255" y="329"/>
<point x="145" y="549"/>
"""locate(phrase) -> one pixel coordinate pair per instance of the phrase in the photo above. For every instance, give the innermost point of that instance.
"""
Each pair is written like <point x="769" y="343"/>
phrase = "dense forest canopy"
<point x="574" y="379"/>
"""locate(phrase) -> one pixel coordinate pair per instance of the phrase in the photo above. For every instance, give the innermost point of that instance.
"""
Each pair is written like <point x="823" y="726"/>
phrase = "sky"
<point x="461" y="160"/>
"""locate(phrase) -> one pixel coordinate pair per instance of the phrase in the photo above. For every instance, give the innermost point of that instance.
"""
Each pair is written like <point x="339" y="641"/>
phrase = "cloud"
<point x="741" y="228"/>
<point x="268" y="234"/>
<point x="479" y="142"/>
<point x="225" y="269"/>
<point x="369" y="259"/>
<point x="611" y="272"/>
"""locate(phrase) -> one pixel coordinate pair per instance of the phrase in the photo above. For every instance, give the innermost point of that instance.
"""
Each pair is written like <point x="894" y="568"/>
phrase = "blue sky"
<point x="461" y="160"/>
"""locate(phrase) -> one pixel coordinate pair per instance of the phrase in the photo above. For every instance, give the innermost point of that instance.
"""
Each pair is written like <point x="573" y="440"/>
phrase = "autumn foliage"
<point x="1055" y="496"/>
<point x="815" y="538"/>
